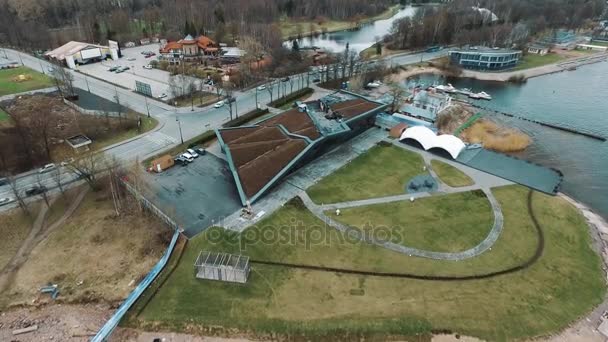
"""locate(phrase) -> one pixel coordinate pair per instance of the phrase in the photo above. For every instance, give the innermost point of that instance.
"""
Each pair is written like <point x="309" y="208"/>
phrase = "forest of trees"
<point x="44" y="23"/>
<point x="457" y="23"/>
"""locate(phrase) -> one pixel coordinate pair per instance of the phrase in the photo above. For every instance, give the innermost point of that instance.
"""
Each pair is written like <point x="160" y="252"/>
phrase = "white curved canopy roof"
<point x="428" y="139"/>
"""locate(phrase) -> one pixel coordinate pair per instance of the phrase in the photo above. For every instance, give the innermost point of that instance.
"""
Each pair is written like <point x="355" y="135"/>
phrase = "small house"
<point x="538" y="49"/>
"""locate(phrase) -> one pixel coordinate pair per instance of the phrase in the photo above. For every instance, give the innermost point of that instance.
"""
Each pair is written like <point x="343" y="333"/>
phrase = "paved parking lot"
<point x="197" y="195"/>
<point x="157" y="79"/>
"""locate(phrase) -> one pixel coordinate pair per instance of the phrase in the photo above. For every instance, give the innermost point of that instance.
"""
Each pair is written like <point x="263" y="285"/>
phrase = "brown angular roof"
<point x="351" y="108"/>
<point x="260" y="153"/>
<point x="296" y="122"/>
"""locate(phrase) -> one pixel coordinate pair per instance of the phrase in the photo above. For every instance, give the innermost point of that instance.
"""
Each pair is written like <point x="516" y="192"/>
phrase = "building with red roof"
<point x="190" y="49"/>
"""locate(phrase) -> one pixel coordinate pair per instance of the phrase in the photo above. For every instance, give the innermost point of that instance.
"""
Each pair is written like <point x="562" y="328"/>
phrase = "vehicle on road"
<point x="35" y="190"/>
<point x="148" y="55"/>
<point x="316" y="80"/>
<point x="5" y="200"/>
<point x="131" y="59"/>
<point x="3" y="181"/>
<point x="147" y="66"/>
<point x="114" y="68"/>
<point x="162" y="96"/>
<point x="218" y="104"/>
<point x="285" y="79"/>
<point x="192" y="153"/>
<point x="188" y="157"/>
<point x="262" y="87"/>
<point x="201" y="151"/>
<point x="180" y="160"/>
<point x="47" y="168"/>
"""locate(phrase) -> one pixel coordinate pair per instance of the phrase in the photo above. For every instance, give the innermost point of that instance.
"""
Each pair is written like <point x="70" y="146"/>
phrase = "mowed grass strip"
<point x="533" y="60"/>
<point x="9" y="86"/>
<point x="381" y="171"/>
<point x="448" y="223"/>
<point x="563" y="285"/>
<point x="450" y="175"/>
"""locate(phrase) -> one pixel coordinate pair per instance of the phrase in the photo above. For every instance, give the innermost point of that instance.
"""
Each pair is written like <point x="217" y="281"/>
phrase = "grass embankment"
<point x="147" y="124"/>
<point x="565" y="283"/>
<point x="495" y="137"/>
<point x="450" y="223"/>
<point x="3" y="116"/>
<point x="200" y="100"/>
<point x="14" y="228"/>
<point x="532" y="60"/>
<point x="450" y="175"/>
<point x="381" y="171"/>
<point x="291" y="28"/>
<point x="34" y="80"/>
<point x="88" y="256"/>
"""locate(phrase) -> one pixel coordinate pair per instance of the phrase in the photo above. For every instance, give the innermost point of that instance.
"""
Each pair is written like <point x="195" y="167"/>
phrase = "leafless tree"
<point x="397" y="94"/>
<point x="64" y="80"/>
<point x="43" y="189"/>
<point x="18" y="194"/>
<point x="58" y="180"/>
<point x="269" y="87"/>
<point x="88" y="166"/>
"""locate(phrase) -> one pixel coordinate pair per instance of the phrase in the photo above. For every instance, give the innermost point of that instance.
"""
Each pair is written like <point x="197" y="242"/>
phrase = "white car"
<point x="162" y="96"/>
<point x="262" y="87"/>
<point x="47" y="168"/>
<point x="192" y="153"/>
<point x="5" y="200"/>
<point x="219" y="104"/>
<point x="189" y="158"/>
<point x="147" y="66"/>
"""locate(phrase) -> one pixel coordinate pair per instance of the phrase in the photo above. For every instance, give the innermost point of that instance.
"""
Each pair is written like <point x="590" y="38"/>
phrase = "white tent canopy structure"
<point x="428" y="139"/>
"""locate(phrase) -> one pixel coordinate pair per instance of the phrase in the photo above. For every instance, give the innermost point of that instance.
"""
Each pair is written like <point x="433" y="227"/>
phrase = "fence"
<point x="150" y="206"/>
<point x="90" y="111"/>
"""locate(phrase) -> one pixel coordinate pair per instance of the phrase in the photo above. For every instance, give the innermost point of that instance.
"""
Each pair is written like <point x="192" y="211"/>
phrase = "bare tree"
<point x="64" y="80"/>
<point x="12" y="181"/>
<point x="397" y="94"/>
<point x="58" y="180"/>
<point x="269" y="87"/>
<point x="43" y="189"/>
<point x="87" y="167"/>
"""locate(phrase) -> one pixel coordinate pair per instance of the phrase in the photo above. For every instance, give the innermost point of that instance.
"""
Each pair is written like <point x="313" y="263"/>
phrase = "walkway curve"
<point x="538" y="252"/>
<point x="487" y="243"/>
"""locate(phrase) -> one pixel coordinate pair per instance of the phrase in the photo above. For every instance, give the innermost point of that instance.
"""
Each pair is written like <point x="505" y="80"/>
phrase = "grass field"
<point x="564" y="284"/>
<point x="450" y="223"/>
<point x="3" y="116"/>
<point x="147" y="124"/>
<point x="533" y="60"/>
<point x="381" y="171"/>
<point x="8" y="86"/>
<point x="186" y="101"/>
<point x="14" y="228"/>
<point x="450" y="175"/>
<point x="291" y="28"/>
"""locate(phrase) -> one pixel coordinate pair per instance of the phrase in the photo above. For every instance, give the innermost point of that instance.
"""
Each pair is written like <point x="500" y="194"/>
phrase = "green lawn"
<point x="147" y="124"/>
<point x="204" y="100"/>
<point x="450" y="223"/>
<point x="3" y="116"/>
<point x="450" y="175"/>
<point x="381" y="171"/>
<point x="533" y="60"/>
<point x="9" y="86"/>
<point x="564" y="284"/>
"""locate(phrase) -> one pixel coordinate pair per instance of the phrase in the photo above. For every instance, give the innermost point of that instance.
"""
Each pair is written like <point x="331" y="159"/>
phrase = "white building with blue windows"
<point x="484" y="58"/>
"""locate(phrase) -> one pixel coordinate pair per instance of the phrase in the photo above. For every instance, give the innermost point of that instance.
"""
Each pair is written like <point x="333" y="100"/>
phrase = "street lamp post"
<point x="179" y="124"/>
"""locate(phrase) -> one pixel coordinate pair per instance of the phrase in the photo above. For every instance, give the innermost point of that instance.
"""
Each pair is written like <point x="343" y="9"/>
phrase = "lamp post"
<point x="179" y="124"/>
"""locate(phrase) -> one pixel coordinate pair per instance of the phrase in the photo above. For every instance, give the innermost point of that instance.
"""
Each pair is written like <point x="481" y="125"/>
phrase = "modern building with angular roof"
<point x="260" y="155"/>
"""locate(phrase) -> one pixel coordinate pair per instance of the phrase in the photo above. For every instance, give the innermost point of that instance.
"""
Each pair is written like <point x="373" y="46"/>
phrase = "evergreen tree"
<point x="295" y="46"/>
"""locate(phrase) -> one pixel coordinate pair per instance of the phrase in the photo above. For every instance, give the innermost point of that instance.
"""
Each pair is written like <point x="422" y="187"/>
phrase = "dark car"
<point x="180" y="161"/>
<point x="200" y="151"/>
<point x="150" y="55"/>
<point x="114" y="68"/>
<point x="316" y="80"/>
<point x="35" y="190"/>
<point x="285" y="79"/>
<point x="3" y="181"/>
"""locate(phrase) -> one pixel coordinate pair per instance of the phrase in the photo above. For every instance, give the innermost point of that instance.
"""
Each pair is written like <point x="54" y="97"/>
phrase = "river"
<point x="577" y="99"/>
<point x="358" y="40"/>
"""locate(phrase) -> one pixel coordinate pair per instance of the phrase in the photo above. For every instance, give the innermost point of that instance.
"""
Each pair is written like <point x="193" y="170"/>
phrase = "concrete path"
<point x="487" y="243"/>
<point x="35" y="91"/>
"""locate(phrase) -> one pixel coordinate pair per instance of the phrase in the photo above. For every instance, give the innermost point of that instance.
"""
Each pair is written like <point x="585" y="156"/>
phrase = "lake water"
<point x="358" y="40"/>
<point x="577" y="99"/>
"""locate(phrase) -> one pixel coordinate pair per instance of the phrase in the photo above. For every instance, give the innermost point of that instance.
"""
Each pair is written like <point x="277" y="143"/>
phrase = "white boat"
<point x="480" y="96"/>
<point x="446" y="88"/>
<point x="375" y="84"/>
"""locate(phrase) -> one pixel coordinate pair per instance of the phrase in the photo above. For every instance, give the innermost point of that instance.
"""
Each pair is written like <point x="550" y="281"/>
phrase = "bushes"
<point x="256" y="113"/>
<point x="290" y="98"/>
<point x="520" y="78"/>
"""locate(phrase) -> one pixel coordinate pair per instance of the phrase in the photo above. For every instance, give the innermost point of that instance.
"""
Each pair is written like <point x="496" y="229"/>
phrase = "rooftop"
<point x="71" y="48"/>
<point x="484" y="49"/>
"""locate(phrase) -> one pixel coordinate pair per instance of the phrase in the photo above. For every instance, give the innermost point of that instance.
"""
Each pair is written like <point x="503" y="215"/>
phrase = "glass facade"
<point x="485" y="60"/>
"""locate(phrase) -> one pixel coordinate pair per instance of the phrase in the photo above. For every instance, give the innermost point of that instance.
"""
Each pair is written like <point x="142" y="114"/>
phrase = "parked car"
<point x="131" y="59"/>
<point x="285" y="79"/>
<point x="188" y="157"/>
<point x="47" y="168"/>
<point x="114" y="68"/>
<point x="162" y="96"/>
<point x="150" y="55"/>
<point x="262" y="87"/>
<point x="5" y="200"/>
<point x="35" y="190"/>
<point x="201" y="151"/>
<point x="3" y="181"/>
<point x="147" y="66"/>
<point x="180" y="160"/>
<point x="316" y="80"/>
<point x="192" y="153"/>
<point x="218" y="104"/>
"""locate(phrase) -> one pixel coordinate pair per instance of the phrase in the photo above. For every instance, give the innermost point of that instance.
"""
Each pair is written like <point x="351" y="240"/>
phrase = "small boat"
<point x="446" y="88"/>
<point x="480" y="96"/>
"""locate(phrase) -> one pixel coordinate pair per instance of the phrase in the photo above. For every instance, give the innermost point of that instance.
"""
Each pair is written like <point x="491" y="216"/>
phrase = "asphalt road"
<point x="167" y="134"/>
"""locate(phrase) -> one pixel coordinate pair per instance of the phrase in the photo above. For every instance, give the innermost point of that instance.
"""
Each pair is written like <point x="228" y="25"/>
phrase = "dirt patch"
<point x="496" y="137"/>
<point x="94" y="256"/>
<point x="54" y="322"/>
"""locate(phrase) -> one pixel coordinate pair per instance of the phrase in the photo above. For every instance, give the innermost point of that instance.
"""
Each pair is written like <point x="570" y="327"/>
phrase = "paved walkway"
<point x="35" y="91"/>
